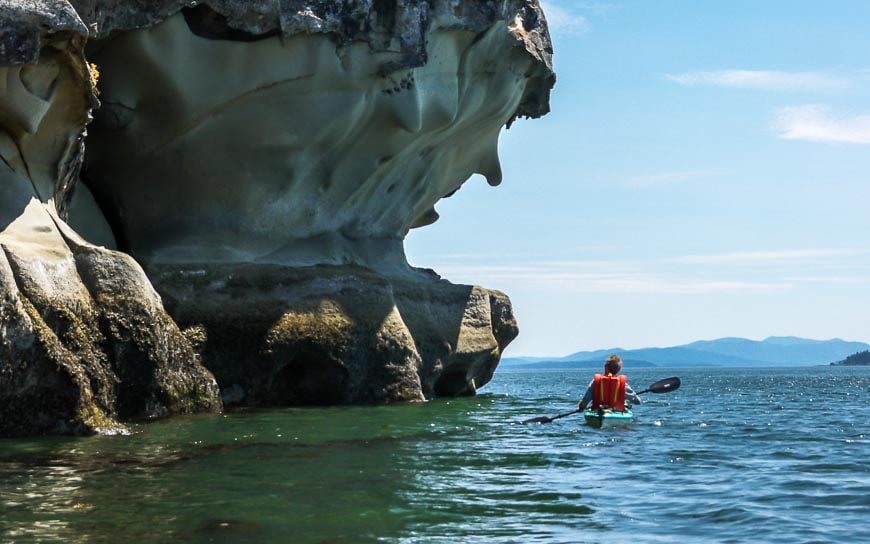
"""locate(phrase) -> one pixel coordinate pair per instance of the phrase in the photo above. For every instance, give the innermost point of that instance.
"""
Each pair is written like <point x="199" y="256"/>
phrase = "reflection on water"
<point x="770" y="455"/>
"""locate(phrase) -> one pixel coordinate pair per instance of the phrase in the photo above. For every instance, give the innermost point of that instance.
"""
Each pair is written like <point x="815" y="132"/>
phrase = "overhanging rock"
<point x="263" y="161"/>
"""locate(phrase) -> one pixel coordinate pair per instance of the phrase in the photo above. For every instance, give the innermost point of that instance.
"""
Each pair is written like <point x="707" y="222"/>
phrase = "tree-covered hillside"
<point x="859" y="359"/>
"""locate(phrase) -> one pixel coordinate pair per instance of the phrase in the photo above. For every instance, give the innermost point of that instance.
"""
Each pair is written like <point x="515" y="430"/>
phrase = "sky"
<point x="704" y="172"/>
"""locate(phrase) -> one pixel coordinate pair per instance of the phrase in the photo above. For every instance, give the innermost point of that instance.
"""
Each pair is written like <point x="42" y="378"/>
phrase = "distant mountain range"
<point x="773" y="351"/>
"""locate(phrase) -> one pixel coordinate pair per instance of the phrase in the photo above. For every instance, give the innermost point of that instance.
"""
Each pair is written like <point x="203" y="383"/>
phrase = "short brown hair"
<point x="613" y="364"/>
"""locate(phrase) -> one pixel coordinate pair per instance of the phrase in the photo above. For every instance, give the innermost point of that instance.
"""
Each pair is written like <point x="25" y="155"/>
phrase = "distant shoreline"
<point x="782" y="351"/>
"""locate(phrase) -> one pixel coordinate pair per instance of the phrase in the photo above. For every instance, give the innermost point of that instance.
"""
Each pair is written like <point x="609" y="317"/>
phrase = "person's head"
<point x="613" y="364"/>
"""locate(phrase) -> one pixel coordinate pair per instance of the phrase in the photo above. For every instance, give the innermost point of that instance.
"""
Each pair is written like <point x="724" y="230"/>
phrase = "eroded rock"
<point x="84" y="339"/>
<point x="272" y="145"/>
<point x="296" y="150"/>
<point x="263" y="161"/>
<point x="336" y="334"/>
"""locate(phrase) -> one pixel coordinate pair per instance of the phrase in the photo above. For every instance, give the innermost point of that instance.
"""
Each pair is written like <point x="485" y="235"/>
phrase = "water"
<point x="736" y="455"/>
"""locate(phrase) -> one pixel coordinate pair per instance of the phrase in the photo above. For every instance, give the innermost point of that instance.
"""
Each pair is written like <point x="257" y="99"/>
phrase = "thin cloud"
<point x="668" y="178"/>
<point x="604" y="282"/>
<point x="816" y="123"/>
<point x="766" y="257"/>
<point x="676" y="275"/>
<point x="831" y="280"/>
<point x="769" y="80"/>
<point x="564" y="20"/>
<point x="593" y="267"/>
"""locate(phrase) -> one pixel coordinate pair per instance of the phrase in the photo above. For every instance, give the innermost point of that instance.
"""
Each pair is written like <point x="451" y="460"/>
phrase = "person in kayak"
<point x="609" y="390"/>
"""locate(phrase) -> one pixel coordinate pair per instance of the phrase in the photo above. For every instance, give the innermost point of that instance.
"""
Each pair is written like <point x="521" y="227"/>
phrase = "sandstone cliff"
<point x="263" y="161"/>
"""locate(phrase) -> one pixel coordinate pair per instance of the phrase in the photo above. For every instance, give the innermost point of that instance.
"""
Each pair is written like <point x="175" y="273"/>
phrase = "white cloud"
<point x="765" y="257"/>
<point x="561" y="19"/>
<point x="816" y="123"/>
<point x="669" y="178"/>
<point x="764" y="79"/>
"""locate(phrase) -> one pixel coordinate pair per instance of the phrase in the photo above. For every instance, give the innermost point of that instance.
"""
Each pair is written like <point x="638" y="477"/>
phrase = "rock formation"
<point x="263" y="161"/>
<point x="84" y="340"/>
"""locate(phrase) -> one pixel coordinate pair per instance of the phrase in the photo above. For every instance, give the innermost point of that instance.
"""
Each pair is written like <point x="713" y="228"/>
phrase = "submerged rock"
<point x="84" y="339"/>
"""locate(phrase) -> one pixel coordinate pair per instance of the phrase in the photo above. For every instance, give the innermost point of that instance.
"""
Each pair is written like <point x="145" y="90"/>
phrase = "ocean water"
<point x="735" y="455"/>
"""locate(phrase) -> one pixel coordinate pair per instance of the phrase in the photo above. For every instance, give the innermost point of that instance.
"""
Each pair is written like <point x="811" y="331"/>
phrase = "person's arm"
<point x="587" y="398"/>
<point x="631" y="396"/>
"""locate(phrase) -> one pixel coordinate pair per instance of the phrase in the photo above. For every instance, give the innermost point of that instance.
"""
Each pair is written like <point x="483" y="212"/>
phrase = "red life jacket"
<point x="608" y="392"/>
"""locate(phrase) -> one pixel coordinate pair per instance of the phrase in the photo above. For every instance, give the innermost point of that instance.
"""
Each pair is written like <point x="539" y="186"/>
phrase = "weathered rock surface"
<point x="308" y="149"/>
<point x="270" y="145"/>
<point x="263" y="160"/>
<point x="84" y="339"/>
<point x="401" y="27"/>
<point x="336" y="334"/>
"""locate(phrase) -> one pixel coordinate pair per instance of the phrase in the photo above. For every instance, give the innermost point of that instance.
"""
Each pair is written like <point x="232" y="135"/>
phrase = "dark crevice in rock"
<point x="310" y="378"/>
<point x="207" y="23"/>
<point x="453" y="382"/>
<point x="69" y="169"/>
<point x="112" y="212"/>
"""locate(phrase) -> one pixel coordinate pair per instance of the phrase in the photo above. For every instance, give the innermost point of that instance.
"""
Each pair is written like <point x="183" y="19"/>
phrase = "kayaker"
<point x="609" y="390"/>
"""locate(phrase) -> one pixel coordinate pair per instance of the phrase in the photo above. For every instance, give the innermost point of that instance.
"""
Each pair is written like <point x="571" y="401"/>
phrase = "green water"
<point x="774" y="456"/>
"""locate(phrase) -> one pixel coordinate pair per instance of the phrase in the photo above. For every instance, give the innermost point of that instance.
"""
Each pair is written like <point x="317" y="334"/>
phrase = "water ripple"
<point x="735" y="455"/>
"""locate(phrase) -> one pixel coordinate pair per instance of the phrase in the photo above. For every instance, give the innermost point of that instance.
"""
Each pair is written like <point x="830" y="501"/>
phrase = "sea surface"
<point x="735" y="455"/>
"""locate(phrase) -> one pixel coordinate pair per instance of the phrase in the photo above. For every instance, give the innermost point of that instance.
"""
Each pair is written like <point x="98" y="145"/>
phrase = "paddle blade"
<point x="542" y="419"/>
<point x="665" y="386"/>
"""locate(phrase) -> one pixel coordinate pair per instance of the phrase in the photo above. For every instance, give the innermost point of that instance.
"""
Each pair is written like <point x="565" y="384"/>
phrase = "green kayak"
<point x="608" y="418"/>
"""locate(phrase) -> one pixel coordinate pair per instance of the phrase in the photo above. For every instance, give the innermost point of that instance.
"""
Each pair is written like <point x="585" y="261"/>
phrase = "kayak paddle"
<point x="545" y="419"/>
<point x="662" y="386"/>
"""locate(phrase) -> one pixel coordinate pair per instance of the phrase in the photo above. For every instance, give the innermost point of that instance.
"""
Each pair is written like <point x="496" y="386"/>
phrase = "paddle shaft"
<point x="545" y="419"/>
<point x="572" y="412"/>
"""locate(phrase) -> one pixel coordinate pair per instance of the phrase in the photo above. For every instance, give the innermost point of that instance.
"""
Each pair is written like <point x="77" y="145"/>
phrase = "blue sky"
<point x="704" y="172"/>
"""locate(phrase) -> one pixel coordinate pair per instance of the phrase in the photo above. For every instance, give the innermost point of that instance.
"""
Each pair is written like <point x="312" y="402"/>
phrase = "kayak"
<point x="608" y="418"/>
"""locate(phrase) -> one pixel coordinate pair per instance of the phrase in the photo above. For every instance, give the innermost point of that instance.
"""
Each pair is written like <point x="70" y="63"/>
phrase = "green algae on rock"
<point x="84" y="340"/>
<point x="278" y="335"/>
